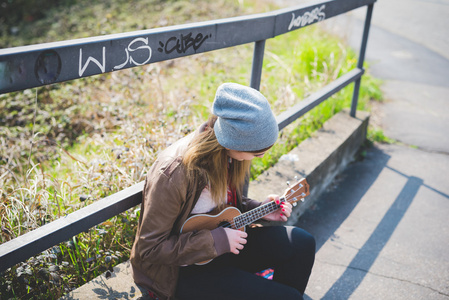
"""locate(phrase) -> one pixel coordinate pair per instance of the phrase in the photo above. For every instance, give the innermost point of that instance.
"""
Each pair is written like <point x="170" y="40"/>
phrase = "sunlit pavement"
<point x="382" y="228"/>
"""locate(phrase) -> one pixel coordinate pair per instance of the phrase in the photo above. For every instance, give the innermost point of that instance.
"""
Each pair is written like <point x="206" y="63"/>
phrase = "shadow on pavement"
<point x="336" y="204"/>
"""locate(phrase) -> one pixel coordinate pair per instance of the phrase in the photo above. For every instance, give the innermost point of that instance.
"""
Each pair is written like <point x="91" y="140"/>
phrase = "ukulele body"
<point x="210" y="222"/>
<point x="206" y="221"/>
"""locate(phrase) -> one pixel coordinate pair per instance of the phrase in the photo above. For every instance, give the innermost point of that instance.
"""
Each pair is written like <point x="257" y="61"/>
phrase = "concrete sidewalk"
<point x="382" y="229"/>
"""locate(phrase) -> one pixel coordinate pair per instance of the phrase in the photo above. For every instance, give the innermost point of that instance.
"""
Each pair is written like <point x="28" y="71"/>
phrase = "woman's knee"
<point x="302" y="239"/>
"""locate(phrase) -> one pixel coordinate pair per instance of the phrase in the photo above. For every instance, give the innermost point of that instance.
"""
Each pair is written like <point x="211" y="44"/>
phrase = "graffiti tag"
<point x="130" y="48"/>
<point x="183" y="43"/>
<point x="138" y="52"/>
<point x="140" y="45"/>
<point x="82" y="68"/>
<point x="307" y="18"/>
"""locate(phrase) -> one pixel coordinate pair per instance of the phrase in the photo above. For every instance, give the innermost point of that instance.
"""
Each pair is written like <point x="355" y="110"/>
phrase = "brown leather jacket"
<point x="168" y="198"/>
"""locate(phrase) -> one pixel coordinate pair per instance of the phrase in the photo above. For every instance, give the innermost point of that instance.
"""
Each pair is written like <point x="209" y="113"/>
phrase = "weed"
<point x="377" y="135"/>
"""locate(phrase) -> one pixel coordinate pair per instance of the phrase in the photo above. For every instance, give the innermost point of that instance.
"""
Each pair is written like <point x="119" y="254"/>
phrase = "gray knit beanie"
<point x="245" y="120"/>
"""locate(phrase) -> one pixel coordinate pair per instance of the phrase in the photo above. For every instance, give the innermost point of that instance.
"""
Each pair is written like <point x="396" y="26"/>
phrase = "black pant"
<point x="290" y="251"/>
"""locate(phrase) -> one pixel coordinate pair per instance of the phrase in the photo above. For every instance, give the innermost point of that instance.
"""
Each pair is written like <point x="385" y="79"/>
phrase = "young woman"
<point x="204" y="172"/>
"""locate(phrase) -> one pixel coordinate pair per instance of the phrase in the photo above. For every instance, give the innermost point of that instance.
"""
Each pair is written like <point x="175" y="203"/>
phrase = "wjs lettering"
<point x="139" y="46"/>
<point x="316" y="14"/>
<point x="130" y="48"/>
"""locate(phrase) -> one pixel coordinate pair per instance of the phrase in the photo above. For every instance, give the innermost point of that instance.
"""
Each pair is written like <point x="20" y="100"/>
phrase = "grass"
<point x="67" y="145"/>
<point x="377" y="135"/>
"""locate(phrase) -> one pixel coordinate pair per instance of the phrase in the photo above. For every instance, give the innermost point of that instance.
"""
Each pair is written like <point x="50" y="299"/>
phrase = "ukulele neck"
<point x="257" y="213"/>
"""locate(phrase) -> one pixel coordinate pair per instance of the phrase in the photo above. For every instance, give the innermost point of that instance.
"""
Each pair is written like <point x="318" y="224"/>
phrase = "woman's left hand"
<point x="282" y="214"/>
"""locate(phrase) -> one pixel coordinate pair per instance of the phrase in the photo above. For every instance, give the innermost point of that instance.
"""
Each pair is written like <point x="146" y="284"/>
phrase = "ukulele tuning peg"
<point x="294" y="204"/>
<point x="288" y="183"/>
<point x="302" y="200"/>
<point x="296" y="178"/>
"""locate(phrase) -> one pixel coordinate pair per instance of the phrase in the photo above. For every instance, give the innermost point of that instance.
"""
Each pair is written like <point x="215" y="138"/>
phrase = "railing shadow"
<point x="336" y="205"/>
<point x="350" y="280"/>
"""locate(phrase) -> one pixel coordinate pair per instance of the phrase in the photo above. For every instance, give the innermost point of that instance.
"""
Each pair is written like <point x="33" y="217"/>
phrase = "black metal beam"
<point x="355" y="94"/>
<point x="45" y="237"/>
<point x="37" y="65"/>
<point x="313" y="100"/>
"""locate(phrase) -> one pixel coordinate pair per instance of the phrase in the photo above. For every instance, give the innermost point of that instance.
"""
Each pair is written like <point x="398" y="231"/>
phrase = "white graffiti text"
<point x="316" y="14"/>
<point x="132" y="49"/>
<point x="91" y="59"/>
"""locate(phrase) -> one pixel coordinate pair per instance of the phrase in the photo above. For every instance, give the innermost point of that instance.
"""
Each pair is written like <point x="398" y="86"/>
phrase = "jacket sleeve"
<point x="164" y="196"/>
<point x="248" y="203"/>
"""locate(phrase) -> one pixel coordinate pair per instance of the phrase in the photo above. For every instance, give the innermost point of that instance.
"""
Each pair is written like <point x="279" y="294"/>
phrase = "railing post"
<point x="355" y="95"/>
<point x="256" y="74"/>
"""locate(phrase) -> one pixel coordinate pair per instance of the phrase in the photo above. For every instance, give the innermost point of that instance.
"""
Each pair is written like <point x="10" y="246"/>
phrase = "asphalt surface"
<point x="382" y="228"/>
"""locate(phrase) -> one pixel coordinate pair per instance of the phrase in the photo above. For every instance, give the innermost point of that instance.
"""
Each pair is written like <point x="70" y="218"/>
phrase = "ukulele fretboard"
<point x="257" y="213"/>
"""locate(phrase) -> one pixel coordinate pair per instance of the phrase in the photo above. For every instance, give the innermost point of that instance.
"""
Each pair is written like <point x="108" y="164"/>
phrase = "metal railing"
<point x="43" y="64"/>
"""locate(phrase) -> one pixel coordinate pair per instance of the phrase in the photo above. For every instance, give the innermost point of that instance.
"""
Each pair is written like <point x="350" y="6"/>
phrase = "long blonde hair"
<point x="206" y="156"/>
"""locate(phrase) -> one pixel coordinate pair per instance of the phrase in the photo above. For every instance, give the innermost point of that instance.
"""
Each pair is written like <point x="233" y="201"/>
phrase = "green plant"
<point x="377" y="135"/>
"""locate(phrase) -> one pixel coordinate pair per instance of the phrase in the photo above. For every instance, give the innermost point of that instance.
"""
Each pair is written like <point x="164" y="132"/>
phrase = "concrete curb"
<point x="118" y="284"/>
<point x="319" y="159"/>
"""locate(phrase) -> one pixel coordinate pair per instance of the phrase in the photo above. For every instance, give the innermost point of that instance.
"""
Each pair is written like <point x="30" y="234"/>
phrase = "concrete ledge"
<point x="319" y="159"/>
<point x="110" y="285"/>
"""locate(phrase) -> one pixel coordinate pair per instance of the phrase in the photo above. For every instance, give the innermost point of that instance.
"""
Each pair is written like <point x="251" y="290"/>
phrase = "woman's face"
<point x="240" y="155"/>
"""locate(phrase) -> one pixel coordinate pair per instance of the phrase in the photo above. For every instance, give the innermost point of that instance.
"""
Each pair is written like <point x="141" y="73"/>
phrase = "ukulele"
<point x="231" y="217"/>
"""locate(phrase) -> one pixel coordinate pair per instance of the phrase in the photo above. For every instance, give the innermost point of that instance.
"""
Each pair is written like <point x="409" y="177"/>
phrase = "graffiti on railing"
<point x="140" y="46"/>
<point x="317" y="14"/>
<point x="129" y="49"/>
<point x="132" y="47"/>
<point x="183" y="43"/>
<point x="48" y="65"/>
<point x="102" y="66"/>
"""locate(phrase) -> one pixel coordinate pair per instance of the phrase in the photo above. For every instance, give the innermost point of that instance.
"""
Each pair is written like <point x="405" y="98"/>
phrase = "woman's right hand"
<point x="237" y="239"/>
